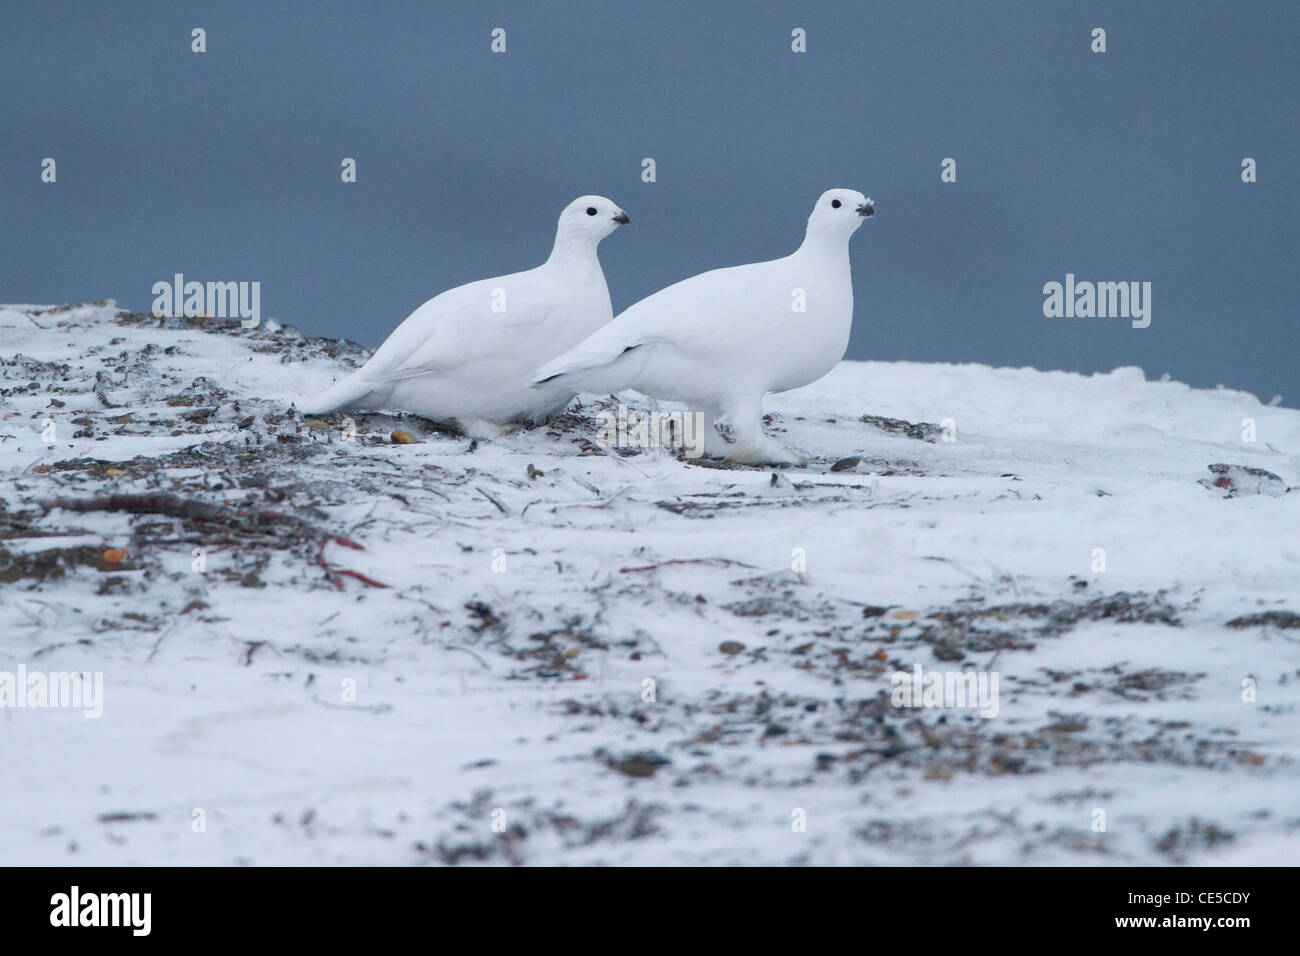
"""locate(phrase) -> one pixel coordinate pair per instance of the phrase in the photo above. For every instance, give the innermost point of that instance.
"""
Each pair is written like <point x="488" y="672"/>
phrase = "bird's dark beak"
<point x="622" y="219"/>
<point x="868" y="208"/>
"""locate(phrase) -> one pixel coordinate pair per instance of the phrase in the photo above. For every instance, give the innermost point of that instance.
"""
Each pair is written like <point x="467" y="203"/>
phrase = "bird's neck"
<point x="828" y="248"/>
<point x="573" y="255"/>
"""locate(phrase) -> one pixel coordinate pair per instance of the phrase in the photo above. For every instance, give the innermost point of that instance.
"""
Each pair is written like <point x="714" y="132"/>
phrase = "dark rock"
<point x="643" y="764"/>
<point x="1266" y="619"/>
<point x="924" y="431"/>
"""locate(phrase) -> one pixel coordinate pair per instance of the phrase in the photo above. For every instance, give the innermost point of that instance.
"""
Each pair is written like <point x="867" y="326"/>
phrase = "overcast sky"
<point x="1122" y="166"/>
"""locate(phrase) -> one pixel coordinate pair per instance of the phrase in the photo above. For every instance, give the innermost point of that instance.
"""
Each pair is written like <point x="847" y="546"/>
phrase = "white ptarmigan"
<point x="721" y="340"/>
<point x="465" y="356"/>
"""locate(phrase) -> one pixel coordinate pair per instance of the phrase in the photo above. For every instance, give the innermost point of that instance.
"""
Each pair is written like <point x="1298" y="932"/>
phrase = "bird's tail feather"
<point x="579" y="367"/>
<point x="350" y="393"/>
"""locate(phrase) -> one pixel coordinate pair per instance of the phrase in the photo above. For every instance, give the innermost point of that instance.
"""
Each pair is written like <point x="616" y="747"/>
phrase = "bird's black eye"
<point x="591" y="210"/>
<point x="835" y="204"/>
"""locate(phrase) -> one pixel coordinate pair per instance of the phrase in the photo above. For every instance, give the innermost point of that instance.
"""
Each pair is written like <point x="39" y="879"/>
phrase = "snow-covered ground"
<point x="586" y="657"/>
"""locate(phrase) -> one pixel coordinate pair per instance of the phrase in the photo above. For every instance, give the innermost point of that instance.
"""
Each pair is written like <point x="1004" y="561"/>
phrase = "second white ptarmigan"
<point x="721" y="340"/>
<point x="465" y="356"/>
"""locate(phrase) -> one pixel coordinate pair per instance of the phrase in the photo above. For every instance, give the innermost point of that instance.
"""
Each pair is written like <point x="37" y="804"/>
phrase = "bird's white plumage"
<point x="721" y="340"/>
<point x="465" y="356"/>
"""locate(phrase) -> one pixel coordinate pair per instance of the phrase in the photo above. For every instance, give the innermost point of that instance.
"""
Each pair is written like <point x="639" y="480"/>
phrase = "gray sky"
<point x="1123" y="166"/>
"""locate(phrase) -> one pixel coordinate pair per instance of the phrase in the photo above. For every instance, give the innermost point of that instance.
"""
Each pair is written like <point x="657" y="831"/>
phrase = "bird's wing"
<point x="460" y="326"/>
<point x="691" y="314"/>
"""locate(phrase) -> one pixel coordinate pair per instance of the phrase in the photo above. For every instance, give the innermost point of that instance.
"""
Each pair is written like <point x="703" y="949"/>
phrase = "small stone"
<point x="731" y="647"/>
<point x="643" y="764"/>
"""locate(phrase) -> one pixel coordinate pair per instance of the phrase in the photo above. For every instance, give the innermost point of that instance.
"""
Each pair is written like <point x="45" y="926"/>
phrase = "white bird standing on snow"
<point x="721" y="340"/>
<point x="465" y="356"/>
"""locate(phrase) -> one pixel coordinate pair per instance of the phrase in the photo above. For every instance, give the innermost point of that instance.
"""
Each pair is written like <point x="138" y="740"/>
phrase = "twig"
<point x="371" y="708"/>
<point x="717" y="562"/>
<point x="158" y="643"/>
<point x="361" y="577"/>
<point x="332" y="573"/>
<point x="595" y="505"/>
<point x="457" y="647"/>
<point x="329" y="572"/>
<point x="500" y="507"/>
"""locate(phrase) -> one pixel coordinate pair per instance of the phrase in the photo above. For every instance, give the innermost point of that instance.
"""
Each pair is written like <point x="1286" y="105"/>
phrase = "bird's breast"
<point x="811" y="340"/>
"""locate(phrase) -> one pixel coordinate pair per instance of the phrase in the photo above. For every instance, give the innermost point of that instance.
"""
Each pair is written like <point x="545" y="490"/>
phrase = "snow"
<point x="514" y="697"/>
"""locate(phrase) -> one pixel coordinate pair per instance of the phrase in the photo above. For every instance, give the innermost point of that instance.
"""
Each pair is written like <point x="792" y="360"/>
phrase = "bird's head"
<point x="840" y="211"/>
<point x="591" y="218"/>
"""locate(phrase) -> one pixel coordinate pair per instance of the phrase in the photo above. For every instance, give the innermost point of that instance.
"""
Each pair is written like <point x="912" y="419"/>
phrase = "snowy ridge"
<point x="534" y="584"/>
